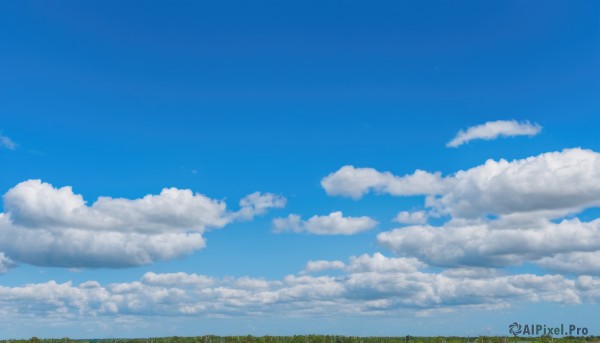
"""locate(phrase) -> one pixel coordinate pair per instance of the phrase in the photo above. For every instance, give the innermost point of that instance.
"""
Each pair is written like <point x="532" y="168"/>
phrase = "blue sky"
<point x="309" y="104"/>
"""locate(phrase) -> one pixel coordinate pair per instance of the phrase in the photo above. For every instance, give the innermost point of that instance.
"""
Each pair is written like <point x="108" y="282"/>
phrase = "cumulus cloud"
<point x="551" y="185"/>
<point x="494" y="129"/>
<point x="573" y="262"/>
<point x="333" y="224"/>
<point x="35" y="204"/>
<point x="7" y="143"/>
<point x="44" y="225"/>
<point x="496" y="243"/>
<point x="405" y="217"/>
<point x="78" y="248"/>
<point x="355" y="182"/>
<point x="376" y="284"/>
<point x="500" y="213"/>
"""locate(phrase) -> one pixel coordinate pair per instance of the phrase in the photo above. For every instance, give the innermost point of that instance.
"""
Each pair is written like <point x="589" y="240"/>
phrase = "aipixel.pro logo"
<point x="547" y="330"/>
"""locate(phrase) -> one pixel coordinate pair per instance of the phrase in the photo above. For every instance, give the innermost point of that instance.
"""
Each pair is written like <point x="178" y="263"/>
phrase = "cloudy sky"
<point x="380" y="168"/>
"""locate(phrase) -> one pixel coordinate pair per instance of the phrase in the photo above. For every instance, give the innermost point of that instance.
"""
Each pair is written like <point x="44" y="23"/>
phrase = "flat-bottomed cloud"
<point x="47" y="226"/>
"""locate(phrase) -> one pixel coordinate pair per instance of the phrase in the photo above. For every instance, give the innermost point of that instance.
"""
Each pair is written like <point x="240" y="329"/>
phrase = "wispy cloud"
<point x="494" y="129"/>
<point x="7" y="143"/>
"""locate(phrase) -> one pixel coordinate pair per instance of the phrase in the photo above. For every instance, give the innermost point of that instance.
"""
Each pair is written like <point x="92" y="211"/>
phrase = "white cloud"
<point x="5" y="263"/>
<point x="405" y="217"/>
<point x="333" y="224"/>
<point x="501" y="213"/>
<point x="496" y="243"/>
<point x="76" y="248"/>
<point x="375" y="285"/>
<point x="549" y="185"/>
<point x="367" y="263"/>
<point x="322" y="265"/>
<point x="573" y="263"/>
<point x="356" y="182"/>
<point x="494" y="129"/>
<point x="589" y="285"/>
<point x="7" y="143"/>
<point x="256" y="204"/>
<point x="43" y="225"/>
<point x="36" y="204"/>
<point x="381" y="264"/>
<point x="177" y="279"/>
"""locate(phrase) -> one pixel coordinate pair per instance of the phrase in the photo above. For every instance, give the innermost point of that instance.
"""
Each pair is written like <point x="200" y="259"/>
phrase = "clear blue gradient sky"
<point x="121" y="99"/>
